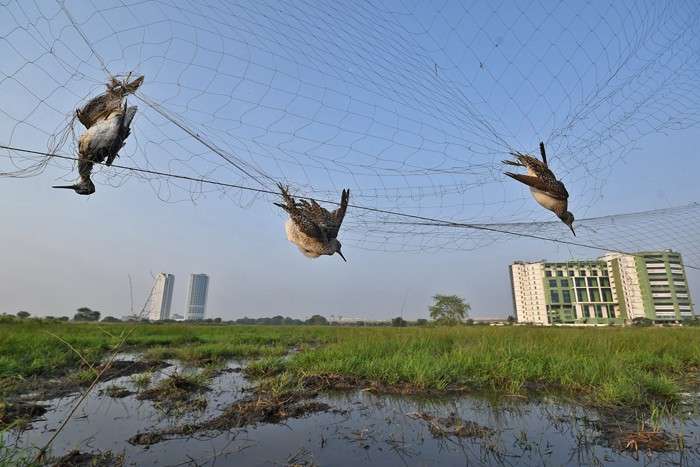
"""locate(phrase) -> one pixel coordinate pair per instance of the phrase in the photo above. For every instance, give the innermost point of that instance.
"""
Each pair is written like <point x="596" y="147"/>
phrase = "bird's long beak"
<point x="341" y="255"/>
<point x="67" y="187"/>
<point x="572" y="230"/>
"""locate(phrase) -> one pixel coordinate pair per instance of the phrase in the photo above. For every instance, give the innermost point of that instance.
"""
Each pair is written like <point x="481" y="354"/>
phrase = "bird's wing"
<point x="300" y="214"/>
<point x="98" y="108"/>
<point x="338" y="215"/>
<point x="550" y="186"/>
<point x="328" y="222"/>
<point x="129" y="114"/>
<point x="536" y="165"/>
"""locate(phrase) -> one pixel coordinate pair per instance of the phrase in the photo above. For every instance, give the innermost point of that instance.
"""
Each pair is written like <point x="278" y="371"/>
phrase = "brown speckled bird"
<point x="101" y="143"/>
<point x="107" y="124"/>
<point x="313" y="229"/>
<point x="549" y="192"/>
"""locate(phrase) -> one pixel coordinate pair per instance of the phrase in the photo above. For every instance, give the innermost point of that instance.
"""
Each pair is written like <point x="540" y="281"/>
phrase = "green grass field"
<point x="600" y="366"/>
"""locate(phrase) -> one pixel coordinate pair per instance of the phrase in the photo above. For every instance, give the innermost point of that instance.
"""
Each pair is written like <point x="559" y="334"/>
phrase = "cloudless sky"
<point x="62" y="251"/>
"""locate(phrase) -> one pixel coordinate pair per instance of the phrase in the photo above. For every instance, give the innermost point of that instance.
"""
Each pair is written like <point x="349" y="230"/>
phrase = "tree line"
<point x="446" y="310"/>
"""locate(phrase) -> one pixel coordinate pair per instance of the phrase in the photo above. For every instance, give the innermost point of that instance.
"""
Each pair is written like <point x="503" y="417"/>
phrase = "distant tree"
<point x="217" y="320"/>
<point x="63" y="318"/>
<point x="449" y="309"/>
<point x="510" y="319"/>
<point x="421" y="322"/>
<point x="469" y="322"/>
<point x="277" y="320"/>
<point x="111" y="319"/>
<point x="23" y="314"/>
<point x="317" y="320"/>
<point x="86" y="314"/>
<point x="398" y="322"/>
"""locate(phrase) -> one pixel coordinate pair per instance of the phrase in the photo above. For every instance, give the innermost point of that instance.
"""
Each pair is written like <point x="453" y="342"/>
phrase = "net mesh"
<point x="411" y="105"/>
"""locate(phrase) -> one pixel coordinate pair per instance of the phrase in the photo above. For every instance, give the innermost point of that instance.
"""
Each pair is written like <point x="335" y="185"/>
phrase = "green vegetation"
<point x="449" y="309"/>
<point x="635" y="366"/>
<point x="40" y="347"/>
<point x="11" y="456"/>
<point x="604" y="367"/>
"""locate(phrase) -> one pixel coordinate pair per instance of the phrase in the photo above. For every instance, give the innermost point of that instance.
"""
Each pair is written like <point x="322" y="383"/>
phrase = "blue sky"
<point x="411" y="106"/>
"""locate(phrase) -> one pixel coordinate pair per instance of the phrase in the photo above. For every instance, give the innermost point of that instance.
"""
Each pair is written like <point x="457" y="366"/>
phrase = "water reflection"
<point x="363" y="428"/>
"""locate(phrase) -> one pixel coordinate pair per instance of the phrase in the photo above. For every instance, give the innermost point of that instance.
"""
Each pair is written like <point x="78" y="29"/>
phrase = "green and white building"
<point x="614" y="289"/>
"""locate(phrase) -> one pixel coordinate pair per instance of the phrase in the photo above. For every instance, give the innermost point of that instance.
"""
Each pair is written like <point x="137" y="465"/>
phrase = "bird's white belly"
<point x="101" y="135"/>
<point x="309" y="246"/>
<point x="545" y="200"/>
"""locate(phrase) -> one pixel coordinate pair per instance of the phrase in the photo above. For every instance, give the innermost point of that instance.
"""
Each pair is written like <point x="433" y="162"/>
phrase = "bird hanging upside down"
<point x="549" y="192"/>
<point x="107" y="124"/>
<point x="313" y="229"/>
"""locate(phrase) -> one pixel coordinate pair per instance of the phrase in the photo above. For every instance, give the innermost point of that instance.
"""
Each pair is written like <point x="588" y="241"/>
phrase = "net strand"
<point x="427" y="221"/>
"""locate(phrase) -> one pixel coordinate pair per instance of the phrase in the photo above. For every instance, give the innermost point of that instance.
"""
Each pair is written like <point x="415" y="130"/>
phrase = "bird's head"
<point x="84" y="187"/>
<point x="337" y="247"/>
<point x="568" y="219"/>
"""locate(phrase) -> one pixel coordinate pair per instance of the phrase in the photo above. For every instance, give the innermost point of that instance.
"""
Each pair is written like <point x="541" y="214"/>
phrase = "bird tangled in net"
<point x="411" y="106"/>
<point x="107" y="119"/>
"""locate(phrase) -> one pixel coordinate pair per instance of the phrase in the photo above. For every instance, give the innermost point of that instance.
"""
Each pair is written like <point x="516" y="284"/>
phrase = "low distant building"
<point x="161" y="298"/>
<point x="197" y="297"/>
<point x="615" y="289"/>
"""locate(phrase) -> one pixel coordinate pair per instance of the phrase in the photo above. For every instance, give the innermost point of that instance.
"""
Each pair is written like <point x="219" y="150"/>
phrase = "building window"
<point x="554" y="295"/>
<point x="552" y="282"/>
<point x="581" y="295"/>
<point x="604" y="282"/>
<point x="605" y="272"/>
<point x="564" y="282"/>
<point x="592" y="282"/>
<point x="582" y="273"/>
<point x="607" y="295"/>
<point x="594" y="272"/>
<point x="571" y="273"/>
<point x="598" y="311"/>
<point x="548" y="273"/>
<point x="566" y="296"/>
<point x="595" y="295"/>
<point x="580" y="282"/>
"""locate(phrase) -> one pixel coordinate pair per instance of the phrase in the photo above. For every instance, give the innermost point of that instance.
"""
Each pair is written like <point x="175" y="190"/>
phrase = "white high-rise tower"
<point x="197" y="296"/>
<point x="161" y="297"/>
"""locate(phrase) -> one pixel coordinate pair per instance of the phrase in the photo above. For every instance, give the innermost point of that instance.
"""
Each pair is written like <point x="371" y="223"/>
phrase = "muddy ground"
<point x="180" y="415"/>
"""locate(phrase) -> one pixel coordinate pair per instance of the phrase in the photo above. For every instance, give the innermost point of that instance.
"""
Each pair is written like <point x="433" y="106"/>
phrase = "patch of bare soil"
<point x="262" y="410"/>
<point x="452" y="426"/>
<point x="178" y="393"/>
<point x="86" y="459"/>
<point x="115" y="392"/>
<point x="40" y="388"/>
<point x="245" y="412"/>
<point x="631" y="438"/>
<point x="19" y="414"/>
